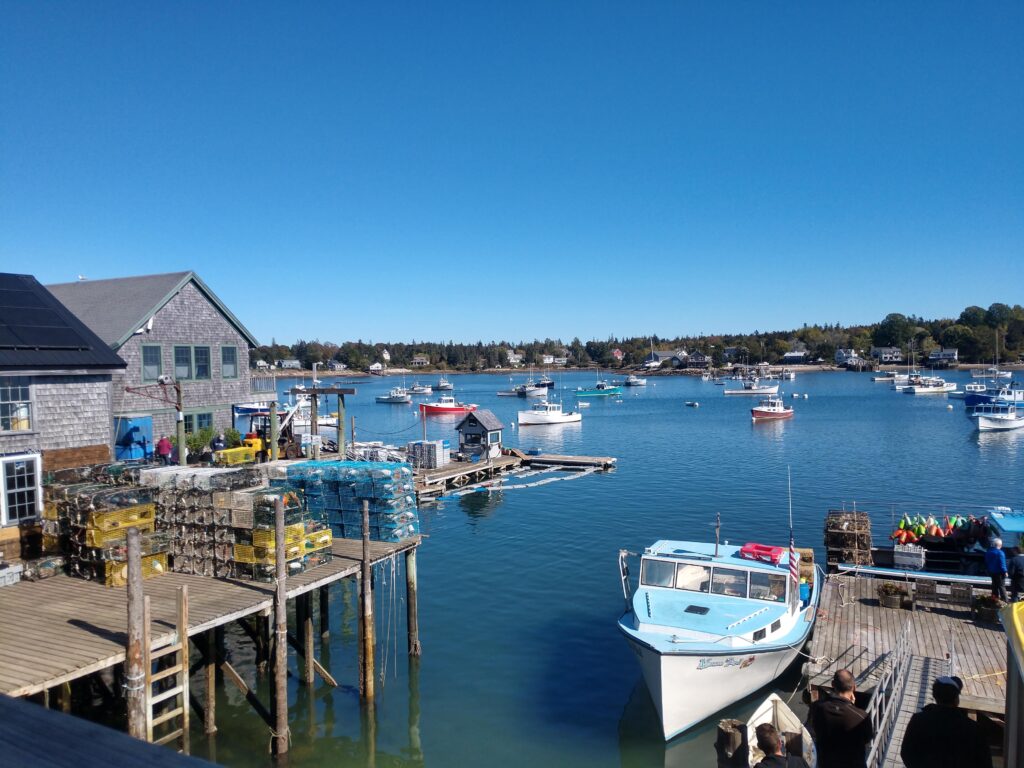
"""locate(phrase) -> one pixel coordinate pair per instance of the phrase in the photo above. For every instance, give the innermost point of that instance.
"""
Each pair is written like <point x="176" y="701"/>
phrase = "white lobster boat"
<point x="544" y="412"/>
<point x="712" y="624"/>
<point x="1000" y="417"/>
<point x="930" y="385"/>
<point x="754" y="387"/>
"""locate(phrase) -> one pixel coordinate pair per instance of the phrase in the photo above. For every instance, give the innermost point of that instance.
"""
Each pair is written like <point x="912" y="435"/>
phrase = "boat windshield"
<point x="768" y="586"/>
<point x="695" y="578"/>
<point x="657" y="573"/>
<point x="729" y="581"/>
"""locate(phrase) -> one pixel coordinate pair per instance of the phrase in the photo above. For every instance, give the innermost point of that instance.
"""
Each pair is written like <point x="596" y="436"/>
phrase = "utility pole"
<point x="180" y="408"/>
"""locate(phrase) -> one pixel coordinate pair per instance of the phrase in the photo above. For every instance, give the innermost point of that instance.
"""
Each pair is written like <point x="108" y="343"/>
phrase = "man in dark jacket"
<point x="1015" y="570"/>
<point x="840" y="728"/>
<point x="995" y="564"/>
<point x="769" y="741"/>
<point x="942" y="735"/>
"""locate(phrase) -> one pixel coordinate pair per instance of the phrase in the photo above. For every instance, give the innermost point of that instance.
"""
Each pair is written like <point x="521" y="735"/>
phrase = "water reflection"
<point x="551" y="438"/>
<point x="995" y="444"/>
<point x="480" y="504"/>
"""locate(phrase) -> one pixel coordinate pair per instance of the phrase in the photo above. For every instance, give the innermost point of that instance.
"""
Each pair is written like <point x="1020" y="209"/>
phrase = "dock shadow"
<point x="115" y="636"/>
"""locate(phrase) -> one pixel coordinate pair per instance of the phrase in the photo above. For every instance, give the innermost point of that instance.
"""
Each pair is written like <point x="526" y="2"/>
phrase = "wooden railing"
<point x="885" y="703"/>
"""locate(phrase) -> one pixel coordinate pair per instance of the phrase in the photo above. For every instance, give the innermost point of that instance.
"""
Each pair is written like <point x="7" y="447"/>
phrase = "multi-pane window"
<point x="182" y="363"/>
<point x="152" y="364"/>
<point x="15" y="404"/>
<point x="201" y="356"/>
<point x="229" y="362"/>
<point x="19" y="488"/>
<point x="197" y="421"/>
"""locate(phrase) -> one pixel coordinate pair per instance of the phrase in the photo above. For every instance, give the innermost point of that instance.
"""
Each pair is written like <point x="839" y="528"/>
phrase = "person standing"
<point x="942" y="735"/>
<point x="995" y="564"/>
<point x="841" y="730"/>
<point x="1015" y="570"/>
<point x="163" y="450"/>
<point x="218" y="443"/>
<point x="769" y="741"/>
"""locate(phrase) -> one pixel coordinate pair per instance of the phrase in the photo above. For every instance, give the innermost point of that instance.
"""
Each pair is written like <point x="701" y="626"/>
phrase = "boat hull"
<point x="599" y="392"/>
<point x="531" y="418"/>
<point x="689" y="688"/>
<point x="997" y="424"/>
<point x="773" y="390"/>
<point x="397" y="400"/>
<point x="759" y="415"/>
<point x="439" y="409"/>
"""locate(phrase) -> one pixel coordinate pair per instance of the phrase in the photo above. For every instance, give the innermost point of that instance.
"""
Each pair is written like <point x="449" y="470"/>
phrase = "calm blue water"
<point x="519" y="592"/>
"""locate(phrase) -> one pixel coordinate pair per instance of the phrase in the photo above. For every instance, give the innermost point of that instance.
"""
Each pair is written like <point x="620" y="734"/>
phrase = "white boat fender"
<point x="806" y="396"/>
<point x="949" y="407"/>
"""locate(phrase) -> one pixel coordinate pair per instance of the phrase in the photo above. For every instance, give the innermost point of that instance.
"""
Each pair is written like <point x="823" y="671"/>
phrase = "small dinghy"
<point x="735" y="736"/>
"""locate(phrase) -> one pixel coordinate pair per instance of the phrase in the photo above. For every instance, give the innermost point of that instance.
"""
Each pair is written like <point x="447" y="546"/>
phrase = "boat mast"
<point x="718" y="530"/>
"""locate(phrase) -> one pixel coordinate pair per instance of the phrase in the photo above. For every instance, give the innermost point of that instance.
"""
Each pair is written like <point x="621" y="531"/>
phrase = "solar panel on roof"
<point x="28" y="323"/>
<point x="19" y="316"/>
<point x="11" y="282"/>
<point x="19" y="298"/>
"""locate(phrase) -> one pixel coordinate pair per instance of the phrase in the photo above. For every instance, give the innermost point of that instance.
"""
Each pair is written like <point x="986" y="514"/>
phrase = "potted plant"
<point x="891" y="595"/>
<point x="987" y="607"/>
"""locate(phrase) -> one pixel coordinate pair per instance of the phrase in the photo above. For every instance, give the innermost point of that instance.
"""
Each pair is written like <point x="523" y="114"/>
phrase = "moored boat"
<point x="970" y="388"/>
<point x="397" y="395"/>
<point x="1000" y="418"/>
<point x="443" y="385"/>
<point x="754" y="387"/>
<point x="447" y="404"/>
<point x="930" y="385"/>
<point x="546" y="381"/>
<point x="635" y="381"/>
<point x="545" y="412"/>
<point x="712" y="624"/>
<point x="992" y="372"/>
<point x="601" y="389"/>
<point x="771" y="408"/>
<point x="421" y="389"/>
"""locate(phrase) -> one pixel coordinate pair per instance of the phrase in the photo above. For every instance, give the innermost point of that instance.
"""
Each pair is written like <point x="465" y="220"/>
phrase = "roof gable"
<point x="118" y="307"/>
<point x="39" y="332"/>
<point x="486" y="418"/>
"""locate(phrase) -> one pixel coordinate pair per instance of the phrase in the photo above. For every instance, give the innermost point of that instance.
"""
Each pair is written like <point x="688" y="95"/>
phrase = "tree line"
<point x="975" y="333"/>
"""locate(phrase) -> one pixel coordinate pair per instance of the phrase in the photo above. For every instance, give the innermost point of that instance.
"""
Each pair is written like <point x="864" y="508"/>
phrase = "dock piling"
<point x="135" y="671"/>
<point x="280" y="731"/>
<point x="368" y="634"/>
<point x="306" y="601"/>
<point x="411" y="603"/>
<point x="325" y="612"/>
<point x="210" y="678"/>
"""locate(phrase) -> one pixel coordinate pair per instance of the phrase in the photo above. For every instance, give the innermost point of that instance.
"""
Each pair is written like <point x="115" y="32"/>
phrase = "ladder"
<point x="166" y="685"/>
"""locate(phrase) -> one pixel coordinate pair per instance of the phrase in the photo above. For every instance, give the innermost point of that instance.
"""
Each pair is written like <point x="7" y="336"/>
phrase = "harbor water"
<point x="519" y="589"/>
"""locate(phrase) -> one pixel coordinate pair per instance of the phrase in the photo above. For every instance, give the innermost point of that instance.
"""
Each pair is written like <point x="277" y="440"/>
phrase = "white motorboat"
<point x="545" y="412"/>
<point x="788" y="375"/>
<point x="712" y="624"/>
<point x="1000" y="417"/>
<point x="443" y="385"/>
<point x="991" y="373"/>
<point x="930" y="385"/>
<point x="421" y="389"/>
<point x="397" y="395"/>
<point x="754" y="387"/>
<point x="635" y="381"/>
<point x="970" y="388"/>
<point x="771" y="407"/>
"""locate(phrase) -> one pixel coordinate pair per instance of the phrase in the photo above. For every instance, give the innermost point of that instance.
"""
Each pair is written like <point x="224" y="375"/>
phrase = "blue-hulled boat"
<point x="601" y="389"/>
<point x="712" y="624"/>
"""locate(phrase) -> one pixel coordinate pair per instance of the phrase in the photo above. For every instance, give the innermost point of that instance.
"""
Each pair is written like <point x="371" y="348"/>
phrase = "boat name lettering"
<point x="729" y="661"/>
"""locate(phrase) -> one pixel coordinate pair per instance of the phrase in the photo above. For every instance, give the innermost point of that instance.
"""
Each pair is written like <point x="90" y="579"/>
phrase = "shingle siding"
<point x="188" y="319"/>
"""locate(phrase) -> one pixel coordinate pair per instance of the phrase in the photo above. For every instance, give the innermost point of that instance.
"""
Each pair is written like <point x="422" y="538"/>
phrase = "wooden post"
<point x="280" y="733"/>
<point x="341" y="427"/>
<point x="135" y="658"/>
<point x="307" y="637"/>
<point x="369" y="639"/>
<point x="411" y="609"/>
<point x="183" y="662"/>
<point x="274" y="429"/>
<point x="353" y="433"/>
<point x="210" y="677"/>
<point x="314" y="422"/>
<point x="325" y="612"/>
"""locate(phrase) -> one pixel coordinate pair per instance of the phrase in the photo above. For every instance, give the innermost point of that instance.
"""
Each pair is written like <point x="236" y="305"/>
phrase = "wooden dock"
<point x="64" y="628"/>
<point x="431" y="483"/>
<point x="854" y="632"/>
<point x="569" y="462"/>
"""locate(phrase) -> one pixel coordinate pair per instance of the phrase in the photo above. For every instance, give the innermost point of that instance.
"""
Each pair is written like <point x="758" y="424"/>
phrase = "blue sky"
<point x="398" y="171"/>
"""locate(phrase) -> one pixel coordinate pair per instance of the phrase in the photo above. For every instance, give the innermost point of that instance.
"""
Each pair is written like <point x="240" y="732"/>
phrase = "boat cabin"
<point x="743" y="596"/>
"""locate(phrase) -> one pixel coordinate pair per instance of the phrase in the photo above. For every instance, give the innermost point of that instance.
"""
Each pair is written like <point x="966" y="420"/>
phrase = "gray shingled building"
<point x="169" y="325"/>
<point x="480" y="433"/>
<point x="55" y="393"/>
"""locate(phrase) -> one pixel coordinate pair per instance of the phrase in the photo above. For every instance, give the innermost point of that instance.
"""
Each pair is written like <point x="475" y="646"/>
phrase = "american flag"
<point x="794" y="568"/>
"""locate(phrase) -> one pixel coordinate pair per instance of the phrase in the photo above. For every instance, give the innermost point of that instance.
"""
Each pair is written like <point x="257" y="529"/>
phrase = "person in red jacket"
<point x="163" y="449"/>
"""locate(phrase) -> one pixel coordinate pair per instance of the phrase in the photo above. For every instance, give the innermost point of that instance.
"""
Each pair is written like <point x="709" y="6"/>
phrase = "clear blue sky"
<point x="515" y="170"/>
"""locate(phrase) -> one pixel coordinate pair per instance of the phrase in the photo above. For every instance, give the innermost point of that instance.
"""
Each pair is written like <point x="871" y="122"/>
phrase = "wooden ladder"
<point x="166" y="687"/>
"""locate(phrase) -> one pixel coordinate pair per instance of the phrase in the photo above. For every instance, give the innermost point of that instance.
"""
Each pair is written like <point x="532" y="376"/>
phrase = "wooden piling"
<point x="280" y="732"/>
<point x="368" y="634"/>
<point x="411" y="606"/>
<point x="274" y="429"/>
<point x="314" y="421"/>
<point x="325" y="612"/>
<point x="210" y="678"/>
<point x="135" y="670"/>
<point x="307" y="637"/>
<point x="341" y="427"/>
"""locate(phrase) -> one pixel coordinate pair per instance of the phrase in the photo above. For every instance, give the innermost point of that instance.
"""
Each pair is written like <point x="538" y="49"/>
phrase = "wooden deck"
<point x="854" y="632"/>
<point x="434" y="482"/>
<point x="569" y="462"/>
<point x="63" y="628"/>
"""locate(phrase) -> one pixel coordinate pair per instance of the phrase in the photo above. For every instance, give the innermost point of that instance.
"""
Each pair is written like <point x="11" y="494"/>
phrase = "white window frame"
<point x="31" y="406"/>
<point x="4" y="461"/>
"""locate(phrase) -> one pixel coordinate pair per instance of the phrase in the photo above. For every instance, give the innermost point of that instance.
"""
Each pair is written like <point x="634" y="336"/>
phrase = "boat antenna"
<point x="789" y="483"/>
<point x="718" y="530"/>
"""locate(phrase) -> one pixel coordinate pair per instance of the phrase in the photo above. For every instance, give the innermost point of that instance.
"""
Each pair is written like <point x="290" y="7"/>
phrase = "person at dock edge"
<point x="942" y="735"/>
<point x="995" y="564"/>
<point x="841" y="730"/>
<point x="163" y="449"/>
<point x="219" y="443"/>
<point x="1015" y="570"/>
<point x="769" y="741"/>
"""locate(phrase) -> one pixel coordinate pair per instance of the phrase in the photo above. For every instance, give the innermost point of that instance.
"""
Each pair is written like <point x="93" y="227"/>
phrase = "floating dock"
<point x="854" y="632"/>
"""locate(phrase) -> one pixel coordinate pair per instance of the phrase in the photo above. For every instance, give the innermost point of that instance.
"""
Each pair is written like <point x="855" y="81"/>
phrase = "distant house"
<point x="618" y="354"/>
<point x="561" y="360"/>
<point x="796" y="357"/>
<point x="887" y="354"/>
<point x="847" y="357"/>
<point x="943" y="357"/>
<point x="336" y="365"/>
<point x="290" y="364"/>
<point x="385" y="356"/>
<point x="420" y="361"/>
<point x="169" y="329"/>
<point x="480" y="434"/>
<point x="676" y="357"/>
<point x="261" y="365"/>
<point x="698" y="360"/>
<point x="515" y="359"/>
<point x="55" y="391"/>
<point x="376" y="368"/>
<point x="547" y="359"/>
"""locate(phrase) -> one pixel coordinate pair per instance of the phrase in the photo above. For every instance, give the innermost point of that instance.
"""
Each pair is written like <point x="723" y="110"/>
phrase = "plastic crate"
<point x="122" y="518"/>
<point x="264" y="537"/>
<point x="233" y="456"/>
<point x="116" y="572"/>
<point x="100" y="538"/>
<point x="318" y="540"/>
<point x="908" y="556"/>
<point x="254" y="555"/>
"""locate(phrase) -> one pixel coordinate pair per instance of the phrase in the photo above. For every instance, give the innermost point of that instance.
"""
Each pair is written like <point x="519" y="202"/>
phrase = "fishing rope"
<point x="386" y="434"/>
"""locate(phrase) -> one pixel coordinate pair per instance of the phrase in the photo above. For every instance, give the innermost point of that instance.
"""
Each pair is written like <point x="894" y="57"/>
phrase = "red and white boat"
<point x="447" y="404"/>
<point x="771" y="408"/>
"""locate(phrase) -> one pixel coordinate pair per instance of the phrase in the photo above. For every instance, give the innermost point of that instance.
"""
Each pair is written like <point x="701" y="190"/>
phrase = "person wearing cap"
<point x="841" y="730"/>
<point x="942" y="735"/>
<point x="995" y="564"/>
<point x="1015" y="570"/>
<point x="769" y="741"/>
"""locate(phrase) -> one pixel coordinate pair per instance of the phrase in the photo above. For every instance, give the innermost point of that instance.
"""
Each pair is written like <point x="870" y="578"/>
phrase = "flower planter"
<point x="891" y="601"/>
<point x="987" y="614"/>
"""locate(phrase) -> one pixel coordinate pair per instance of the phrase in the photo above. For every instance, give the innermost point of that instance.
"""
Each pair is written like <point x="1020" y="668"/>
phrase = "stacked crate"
<point x="88" y="523"/>
<point x="429" y="454"/>
<point x="337" y="490"/>
<point x="847" y="538"/>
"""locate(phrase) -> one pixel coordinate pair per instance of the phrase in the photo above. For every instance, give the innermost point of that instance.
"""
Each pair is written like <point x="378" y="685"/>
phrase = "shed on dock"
<point x="480" y="434"/>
